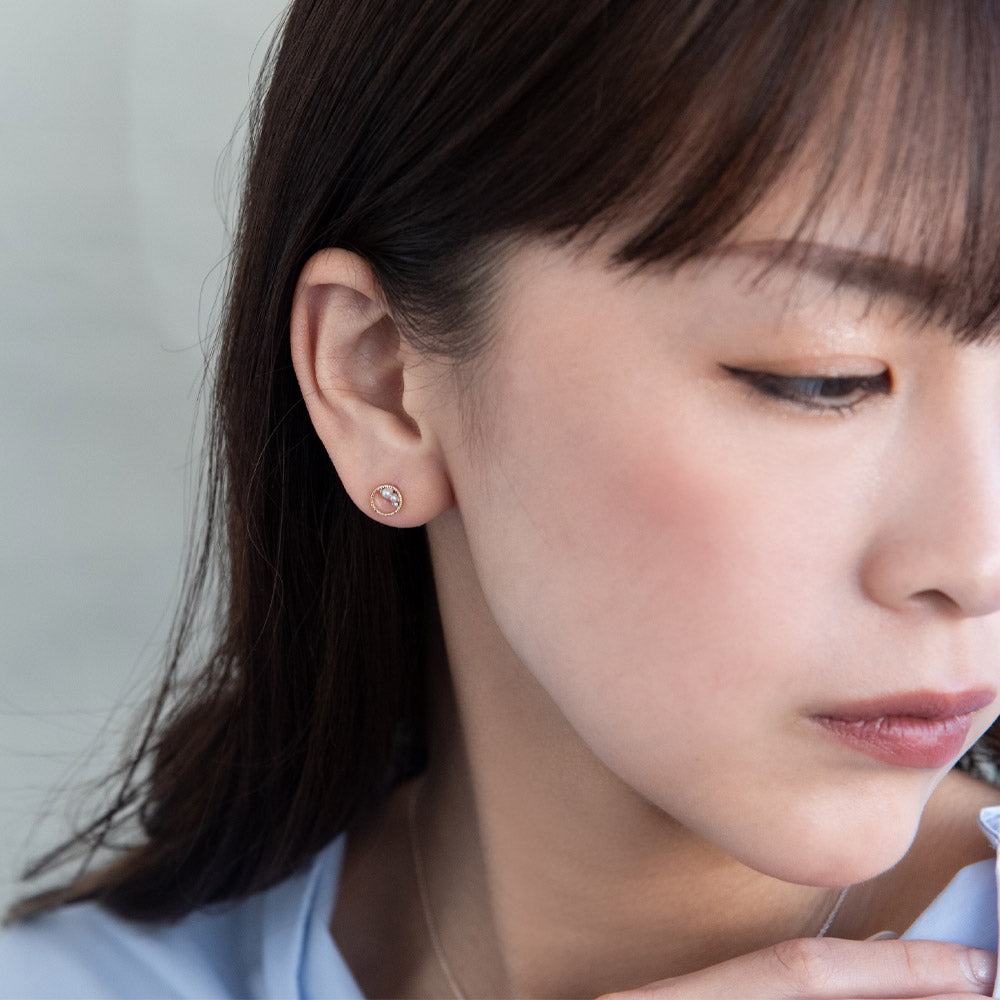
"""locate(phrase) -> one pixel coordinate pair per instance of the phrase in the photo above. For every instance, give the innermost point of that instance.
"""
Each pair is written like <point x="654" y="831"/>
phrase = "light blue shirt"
<point x="277" y="944"/>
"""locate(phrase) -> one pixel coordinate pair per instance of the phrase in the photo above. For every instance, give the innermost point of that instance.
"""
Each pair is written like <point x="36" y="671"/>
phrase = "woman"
<point x="666" y="333"/>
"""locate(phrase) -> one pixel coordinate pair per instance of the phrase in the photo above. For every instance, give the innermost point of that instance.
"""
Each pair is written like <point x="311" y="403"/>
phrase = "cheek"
<point x="676" y="562"/>
<point x="639" y="569"/>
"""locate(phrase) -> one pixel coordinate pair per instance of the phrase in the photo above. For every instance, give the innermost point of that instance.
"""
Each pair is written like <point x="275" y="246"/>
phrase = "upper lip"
<point x="915" y="705"/>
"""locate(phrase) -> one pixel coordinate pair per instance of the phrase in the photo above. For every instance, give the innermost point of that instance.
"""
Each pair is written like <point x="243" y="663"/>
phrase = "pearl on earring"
<point x="386" y="500"/>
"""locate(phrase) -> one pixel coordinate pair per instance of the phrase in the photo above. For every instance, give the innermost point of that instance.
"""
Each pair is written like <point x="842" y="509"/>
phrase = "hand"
<point x="828" y="968"/>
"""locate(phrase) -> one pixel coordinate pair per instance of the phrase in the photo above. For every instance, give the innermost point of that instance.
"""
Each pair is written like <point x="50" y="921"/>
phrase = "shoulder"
<point x="255" y="948"/>
<point x="83" y="951"/>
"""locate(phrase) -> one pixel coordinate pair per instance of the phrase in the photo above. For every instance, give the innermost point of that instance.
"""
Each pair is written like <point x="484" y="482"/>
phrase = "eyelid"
<point x="805" y="390"/>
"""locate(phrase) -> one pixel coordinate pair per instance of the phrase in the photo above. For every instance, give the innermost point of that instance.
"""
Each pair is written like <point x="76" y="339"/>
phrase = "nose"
<point x="938" y="547"/>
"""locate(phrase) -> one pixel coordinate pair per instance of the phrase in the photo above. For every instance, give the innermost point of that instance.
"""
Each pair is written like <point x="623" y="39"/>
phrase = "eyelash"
<point x="813" y="392"/>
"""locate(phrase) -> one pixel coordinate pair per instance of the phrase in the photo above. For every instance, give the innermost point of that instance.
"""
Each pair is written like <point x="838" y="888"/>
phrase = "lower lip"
<point x="904" y="740"/>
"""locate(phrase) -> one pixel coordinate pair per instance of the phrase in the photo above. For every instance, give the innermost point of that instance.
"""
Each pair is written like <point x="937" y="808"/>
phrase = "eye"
<point x="816" y="392"/>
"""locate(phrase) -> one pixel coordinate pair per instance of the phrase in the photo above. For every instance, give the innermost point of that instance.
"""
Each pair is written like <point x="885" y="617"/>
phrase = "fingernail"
<point x="982" y="966"/>
<point x="883" y="936"/>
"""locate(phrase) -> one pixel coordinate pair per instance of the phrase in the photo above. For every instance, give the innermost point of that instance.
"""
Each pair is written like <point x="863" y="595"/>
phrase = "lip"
<point x="920" y="729"/>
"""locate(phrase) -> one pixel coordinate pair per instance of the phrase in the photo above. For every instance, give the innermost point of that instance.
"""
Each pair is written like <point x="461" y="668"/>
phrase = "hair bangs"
<point x="876" y="123"/>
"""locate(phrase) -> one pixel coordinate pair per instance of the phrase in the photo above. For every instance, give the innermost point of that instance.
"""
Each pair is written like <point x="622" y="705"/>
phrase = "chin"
<point x="835" y="867"/>
<point x="834" y="847"/>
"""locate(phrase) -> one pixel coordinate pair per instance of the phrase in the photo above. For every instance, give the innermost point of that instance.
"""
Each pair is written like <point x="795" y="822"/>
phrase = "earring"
<point x="386" y="500"/>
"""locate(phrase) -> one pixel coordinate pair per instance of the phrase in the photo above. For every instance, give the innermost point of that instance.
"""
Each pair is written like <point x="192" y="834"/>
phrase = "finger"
<point x="832" y="969"/>
<point x="953" y="996"/>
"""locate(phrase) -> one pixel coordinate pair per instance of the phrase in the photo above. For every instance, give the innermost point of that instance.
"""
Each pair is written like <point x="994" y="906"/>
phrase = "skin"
<point x="652" y="575"/>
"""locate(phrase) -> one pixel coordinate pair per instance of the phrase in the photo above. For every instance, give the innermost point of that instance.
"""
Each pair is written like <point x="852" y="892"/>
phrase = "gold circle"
<point x="396" y="500"/>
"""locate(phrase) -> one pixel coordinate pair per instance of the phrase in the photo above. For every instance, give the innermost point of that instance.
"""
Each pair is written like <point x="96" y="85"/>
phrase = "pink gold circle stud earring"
<point x="386" y="500"/>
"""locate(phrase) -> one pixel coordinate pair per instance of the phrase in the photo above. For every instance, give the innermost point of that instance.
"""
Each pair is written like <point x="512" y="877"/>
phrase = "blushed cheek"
<point x="718" y="572"/>
<point x="640" y="564"/>
<point x="636" y="549"/>
<point x="673" y="514"/>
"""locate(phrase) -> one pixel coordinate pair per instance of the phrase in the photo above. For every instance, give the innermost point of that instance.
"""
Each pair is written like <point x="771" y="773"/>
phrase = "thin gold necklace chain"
<point x="832" y="915"/>
<point x="418" y="868"/>
<point x="425" y="903"/>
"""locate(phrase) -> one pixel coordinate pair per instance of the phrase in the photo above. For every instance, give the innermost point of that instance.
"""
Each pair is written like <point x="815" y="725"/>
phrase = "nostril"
<point x="969" y="596"/>
<point x="893" y="580"/>
<point x="933" y="557"/>
<point x="939" y="601"/>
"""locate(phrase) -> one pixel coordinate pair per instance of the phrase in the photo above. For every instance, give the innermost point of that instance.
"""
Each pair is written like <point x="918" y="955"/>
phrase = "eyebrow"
<point x="878" y="275"/>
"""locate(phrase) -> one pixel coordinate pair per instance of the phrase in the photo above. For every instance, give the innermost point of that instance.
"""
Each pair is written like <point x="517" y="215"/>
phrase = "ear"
<point x="353" y="369"/>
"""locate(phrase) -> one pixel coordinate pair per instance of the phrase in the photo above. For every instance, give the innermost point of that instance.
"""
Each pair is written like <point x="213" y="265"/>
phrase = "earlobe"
<point x="352" y="367"/>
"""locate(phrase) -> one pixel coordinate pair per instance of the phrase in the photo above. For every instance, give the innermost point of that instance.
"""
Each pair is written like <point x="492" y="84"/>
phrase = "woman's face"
<point x="738" y="527"/>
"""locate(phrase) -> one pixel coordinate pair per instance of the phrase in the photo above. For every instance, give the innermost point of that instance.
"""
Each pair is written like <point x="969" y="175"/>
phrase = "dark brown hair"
<point x="423" y="135"/>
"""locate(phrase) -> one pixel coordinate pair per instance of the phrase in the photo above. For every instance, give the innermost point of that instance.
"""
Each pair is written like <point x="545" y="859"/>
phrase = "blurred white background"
<point x="114" y="190"/>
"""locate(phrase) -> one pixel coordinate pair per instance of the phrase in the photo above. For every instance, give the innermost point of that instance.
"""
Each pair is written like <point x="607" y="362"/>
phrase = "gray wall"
<point x="114" y="115"/>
